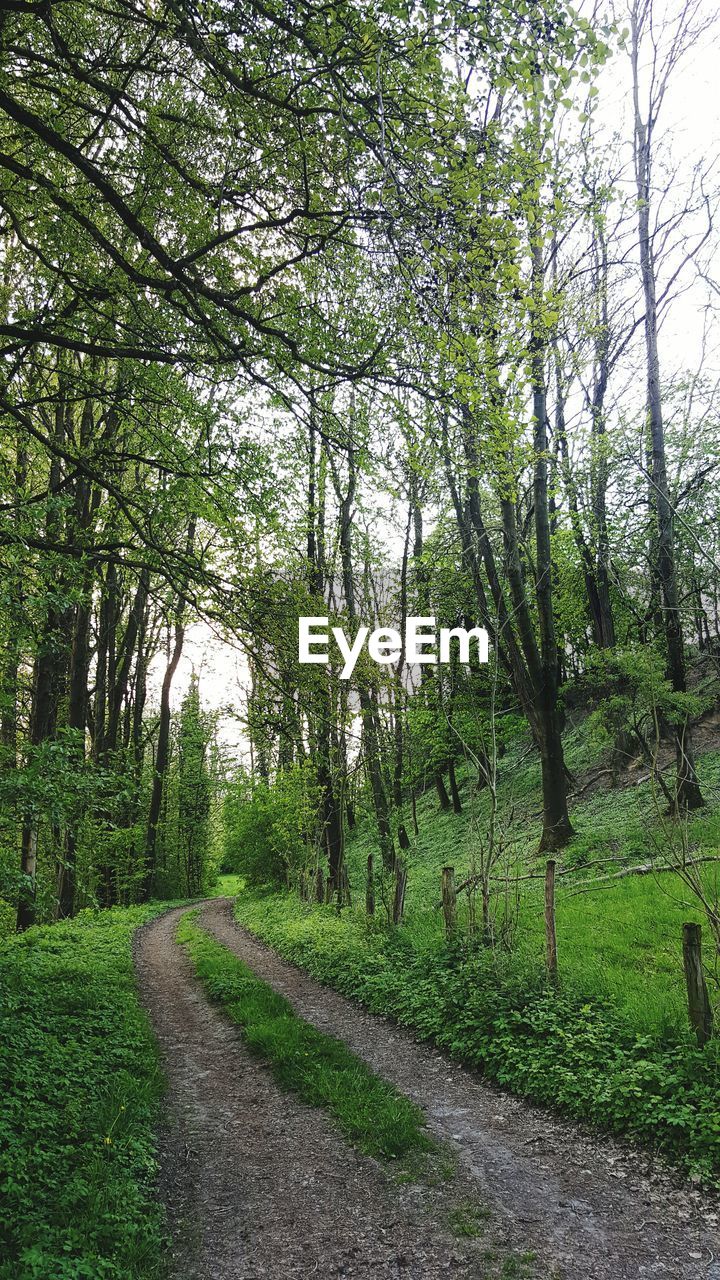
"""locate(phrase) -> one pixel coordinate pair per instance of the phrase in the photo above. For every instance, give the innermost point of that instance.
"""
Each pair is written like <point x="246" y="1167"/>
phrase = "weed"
<point x="516" y="1266"/>
<point x="468" y="1219"/>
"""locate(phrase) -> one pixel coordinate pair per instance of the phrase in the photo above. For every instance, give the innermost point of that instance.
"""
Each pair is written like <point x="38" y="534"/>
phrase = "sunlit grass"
<point x="228" y="886"/>
<point x="619" y="941"/>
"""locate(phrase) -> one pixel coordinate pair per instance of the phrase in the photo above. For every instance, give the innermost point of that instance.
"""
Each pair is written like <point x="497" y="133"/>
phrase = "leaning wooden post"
<point x="699" y="1007"/>
<point x="449" y="900"/>
<point x="370" y="888"/>
<point x="550" y="934"/>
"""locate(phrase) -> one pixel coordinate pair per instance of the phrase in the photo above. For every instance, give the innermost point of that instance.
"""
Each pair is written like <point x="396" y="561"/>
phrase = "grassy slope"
<point x="620" y="941"/>
<point x="80" y="1088"/>
<point x="556" y="1048"/>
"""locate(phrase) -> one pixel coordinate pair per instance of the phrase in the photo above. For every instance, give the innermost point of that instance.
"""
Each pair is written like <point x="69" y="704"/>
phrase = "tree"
<point x="685" y="30"/>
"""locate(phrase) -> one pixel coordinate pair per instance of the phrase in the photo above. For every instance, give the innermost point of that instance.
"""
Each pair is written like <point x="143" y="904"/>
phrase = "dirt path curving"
<point x="593" y="1209"/>
<point x="261" y="1187"/>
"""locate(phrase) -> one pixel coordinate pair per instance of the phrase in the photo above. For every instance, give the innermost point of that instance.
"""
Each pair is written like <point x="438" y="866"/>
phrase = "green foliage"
<point x="80" y="1086"/>
<point x="267" y="828"/>
<point x="227" y="886"/>
<point x="633" y="694"/>
<point x="55" y="782"/>
<point x="558" y="1049"/>
<point x="619" y="943"/>
<point x="374" y="1116"/>
<point x="187" y="867"/>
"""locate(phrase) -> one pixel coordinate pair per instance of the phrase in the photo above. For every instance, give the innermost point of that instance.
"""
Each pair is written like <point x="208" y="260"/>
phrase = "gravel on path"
<point x="260" y="1186"/>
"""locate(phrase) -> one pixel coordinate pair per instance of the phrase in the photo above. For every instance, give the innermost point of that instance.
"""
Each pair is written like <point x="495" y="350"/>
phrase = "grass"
<point x="370" y="1113"/>
<point x="619" y="942"/>
<point x="228" y="886"/>
<point x="612" y="1047"/>
<point x="515" y="1268"/>
<point x="468" y="1220"/>
<point x="80" y="1088"/>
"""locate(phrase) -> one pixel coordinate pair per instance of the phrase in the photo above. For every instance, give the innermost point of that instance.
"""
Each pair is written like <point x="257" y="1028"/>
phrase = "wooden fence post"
<point x="550" y="934"/>
<point x="449" y="900"/>
<point x="370" y="888"/>
<point x="699" y="1007"/>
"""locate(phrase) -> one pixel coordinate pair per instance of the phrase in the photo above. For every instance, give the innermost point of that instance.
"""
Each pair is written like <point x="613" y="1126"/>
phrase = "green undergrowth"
<point x="80" y="1090"/>
<point x="496" y="1013"/>
<point x="321" y="1070"/>
<point x="227" y="886"/>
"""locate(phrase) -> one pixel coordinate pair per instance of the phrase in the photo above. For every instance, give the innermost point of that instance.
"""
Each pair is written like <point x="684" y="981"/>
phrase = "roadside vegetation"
<point x="609" y="1043"/>
<point x="80" y="1091"/>
<point x="619" y="939"/>
<point x="357" y="314"/>
<point x="573" y="1054"/>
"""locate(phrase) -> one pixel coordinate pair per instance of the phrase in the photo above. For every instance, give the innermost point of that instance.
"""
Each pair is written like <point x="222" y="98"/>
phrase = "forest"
<point x="325" y="324"/>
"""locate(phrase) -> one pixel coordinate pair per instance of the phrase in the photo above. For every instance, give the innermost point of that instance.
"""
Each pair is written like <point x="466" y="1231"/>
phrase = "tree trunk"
<point x="456" y="801"/>
<point x="441" y="789"/>
<point x="556" y="822"/>
<point x="49" y="678"/>
<point x="162" y="754"/>
<point x="370" y="728"/>
<point x="687" y="789"/>
<point x="77" y="720"/>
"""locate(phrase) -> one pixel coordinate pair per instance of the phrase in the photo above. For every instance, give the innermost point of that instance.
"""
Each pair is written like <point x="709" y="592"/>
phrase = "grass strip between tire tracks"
<point x="321" y="1070"/>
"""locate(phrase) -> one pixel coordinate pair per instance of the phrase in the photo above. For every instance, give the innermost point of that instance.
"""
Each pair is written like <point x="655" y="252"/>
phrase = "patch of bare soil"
<point x="257" y="1184"/>
<point x="593" y="1209"/>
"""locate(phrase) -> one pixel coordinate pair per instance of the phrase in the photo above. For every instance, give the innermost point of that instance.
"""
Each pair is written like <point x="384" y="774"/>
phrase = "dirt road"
<point x="258" y="1185"/>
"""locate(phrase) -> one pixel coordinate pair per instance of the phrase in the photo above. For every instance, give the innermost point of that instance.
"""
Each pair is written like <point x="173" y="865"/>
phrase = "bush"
<point x="267" y="828"/>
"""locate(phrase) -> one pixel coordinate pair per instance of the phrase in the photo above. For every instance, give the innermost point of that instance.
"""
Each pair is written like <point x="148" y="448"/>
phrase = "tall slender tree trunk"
<point x="687" y="789"/>
<point x="162" y="750"/>
<point x="77" y="720"/>
<point x="400" y="697"/>
<point x="79" y="524"/>
<point x="368" y="712"/>
<point x="557" y="829"/>
<point x="50" y="671"/>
